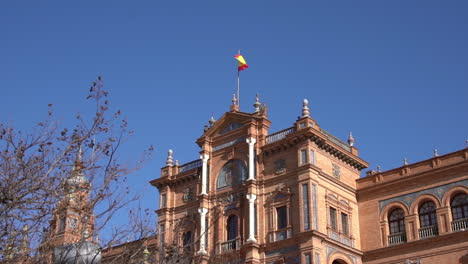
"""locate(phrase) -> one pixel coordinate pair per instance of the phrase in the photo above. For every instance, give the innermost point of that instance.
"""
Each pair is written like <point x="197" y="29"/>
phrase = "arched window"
<point x="427" y="214"/>
<point x="233" y="173"/>
<point x="396" y="221"/>
<point x="232" y="227"/>
<point x="459" y="206"/>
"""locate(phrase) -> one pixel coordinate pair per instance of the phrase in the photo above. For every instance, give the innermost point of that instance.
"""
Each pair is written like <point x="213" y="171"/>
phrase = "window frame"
<point x="400" y="222"/>
<point x="428" y="217"/>
<point x="459" y="211"/>
<point x="333" y="218"/>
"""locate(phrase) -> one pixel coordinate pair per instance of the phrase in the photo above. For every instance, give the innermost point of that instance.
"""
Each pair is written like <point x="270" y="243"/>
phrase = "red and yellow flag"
<point x="242" y="63"/>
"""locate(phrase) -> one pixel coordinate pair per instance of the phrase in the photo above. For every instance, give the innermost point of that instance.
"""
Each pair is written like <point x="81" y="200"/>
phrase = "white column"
<point x="203" y="230"/>
<point x="251" y="197"/>
<point x="204" y="159"/>
<point x="251" y="142"/>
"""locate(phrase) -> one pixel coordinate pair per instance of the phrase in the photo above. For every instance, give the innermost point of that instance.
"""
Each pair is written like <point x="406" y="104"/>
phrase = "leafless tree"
<point x="35" y="171"/>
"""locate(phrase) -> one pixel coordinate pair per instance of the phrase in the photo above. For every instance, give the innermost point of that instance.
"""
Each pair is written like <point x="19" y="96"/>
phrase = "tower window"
<point x="303" y="156"/>
<point x="333" y="218"/>
<point x="282" y="217"/>
<point x="344" y="224"/>
<point x="163" y="201"/>
<point x="305" y="200"/>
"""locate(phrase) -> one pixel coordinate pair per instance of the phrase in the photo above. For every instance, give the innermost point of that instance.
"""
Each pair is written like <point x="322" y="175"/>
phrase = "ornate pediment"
<point x="282" y="193"/>
<point x="230" y="126"/>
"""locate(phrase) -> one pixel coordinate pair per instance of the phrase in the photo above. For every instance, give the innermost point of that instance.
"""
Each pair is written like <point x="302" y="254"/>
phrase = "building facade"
<point x="296" y="196"/>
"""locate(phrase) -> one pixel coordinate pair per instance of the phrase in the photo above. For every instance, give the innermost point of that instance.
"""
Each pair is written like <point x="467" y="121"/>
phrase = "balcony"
<point x="396" y="239"/>
<point x="428" y="231"/>
<point x="230" y="245"/>
<point x="281" y="234"/>
<point x="460" y="225"/>
<point x="342" y="238"/>
<point x="279" y="135"/>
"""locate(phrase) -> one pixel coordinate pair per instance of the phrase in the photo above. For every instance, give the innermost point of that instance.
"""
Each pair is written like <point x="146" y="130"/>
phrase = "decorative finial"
<point x="466" y="143"/>
<point x="436" y="153"/>
<point x="379" y="169"/>
<point x="177" y="162"/>
<point x="305" y="108"/>
<point x="350" y="139"/>
<point x="205" y="128"/>
<point x="257" y="103"/>
<point x="235" y="103"/>
<point x="169" y="158"/>
<point x="234" y="99"/>
<point x="212" y="120"/>
<point x="405" y="161"/>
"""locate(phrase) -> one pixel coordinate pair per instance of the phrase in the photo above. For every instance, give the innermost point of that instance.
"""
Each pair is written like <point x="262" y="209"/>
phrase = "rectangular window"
<point x="303" y="156"/>
<point x="162" y="230"/>
<point x="317" y="258"/>
<point x="333" y="218"/>
<point x="344" y="224"/>
<point x="62" y="225"/>
<point x="312" y="157"/>
<point x="305" y="199"/>
<point x="163" y="200"/>
<point x="282" y="217"/>
<point x="308" y="258"/>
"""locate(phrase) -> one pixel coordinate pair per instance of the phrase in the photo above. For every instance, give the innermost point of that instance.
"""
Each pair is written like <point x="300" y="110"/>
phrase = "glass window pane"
<point x="333" y="218"/>
<point x="344" y="223"/>
<point x="303" y="156"/>
<point x="282" y="217"/>
<point x="305" y="198"/>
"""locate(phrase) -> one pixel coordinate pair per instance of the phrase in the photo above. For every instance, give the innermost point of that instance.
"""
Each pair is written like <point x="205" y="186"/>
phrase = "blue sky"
<point x="393" y="72"/>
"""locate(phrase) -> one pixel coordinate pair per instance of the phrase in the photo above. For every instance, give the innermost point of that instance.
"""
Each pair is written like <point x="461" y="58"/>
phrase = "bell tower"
<point x="72" y="221"/>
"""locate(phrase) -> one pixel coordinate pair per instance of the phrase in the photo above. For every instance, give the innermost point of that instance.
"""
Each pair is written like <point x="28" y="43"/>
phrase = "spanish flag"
<point x="242" y="63"/>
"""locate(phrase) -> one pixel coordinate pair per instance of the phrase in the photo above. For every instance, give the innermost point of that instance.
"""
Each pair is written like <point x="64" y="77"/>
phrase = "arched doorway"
<point x="339" y="261"/>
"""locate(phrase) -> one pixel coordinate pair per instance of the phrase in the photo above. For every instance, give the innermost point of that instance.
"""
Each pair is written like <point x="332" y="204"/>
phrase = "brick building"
<point x="296" y="196"/>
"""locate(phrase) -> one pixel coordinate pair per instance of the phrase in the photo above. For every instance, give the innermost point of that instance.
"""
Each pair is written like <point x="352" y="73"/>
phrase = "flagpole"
<point x="238" y="88"/>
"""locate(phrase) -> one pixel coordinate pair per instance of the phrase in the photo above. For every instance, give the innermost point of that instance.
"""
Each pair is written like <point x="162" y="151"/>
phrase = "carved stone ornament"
<point x="280" y="166"/>
<point x="188" y="195"/>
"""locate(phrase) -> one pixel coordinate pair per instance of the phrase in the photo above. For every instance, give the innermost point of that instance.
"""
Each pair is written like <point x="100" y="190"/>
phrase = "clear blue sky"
<point x="393" y="72"/>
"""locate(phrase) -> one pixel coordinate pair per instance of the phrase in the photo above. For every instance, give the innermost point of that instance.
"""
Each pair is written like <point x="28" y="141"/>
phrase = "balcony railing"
<point x="191" y="165"/>
<point x="460" y="225"/>
<point x="428" y="231"/>
<point x="279" y="135"/>
<point x="341" y="238"/>
<point x="396" y="239"/>
<point x="280" y="235"/>
<point x="230" y="245"/>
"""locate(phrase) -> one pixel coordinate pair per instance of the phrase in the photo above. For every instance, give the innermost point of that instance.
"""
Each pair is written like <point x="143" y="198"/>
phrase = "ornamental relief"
<point x="188" y="195"/>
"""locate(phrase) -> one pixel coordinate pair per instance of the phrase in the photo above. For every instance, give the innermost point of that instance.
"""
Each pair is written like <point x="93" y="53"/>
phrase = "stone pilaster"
<point x="203" y="230"/>
<point x="204" y="159"/>
<point x="251" y="142"/>
<point x="251" y="197"/>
